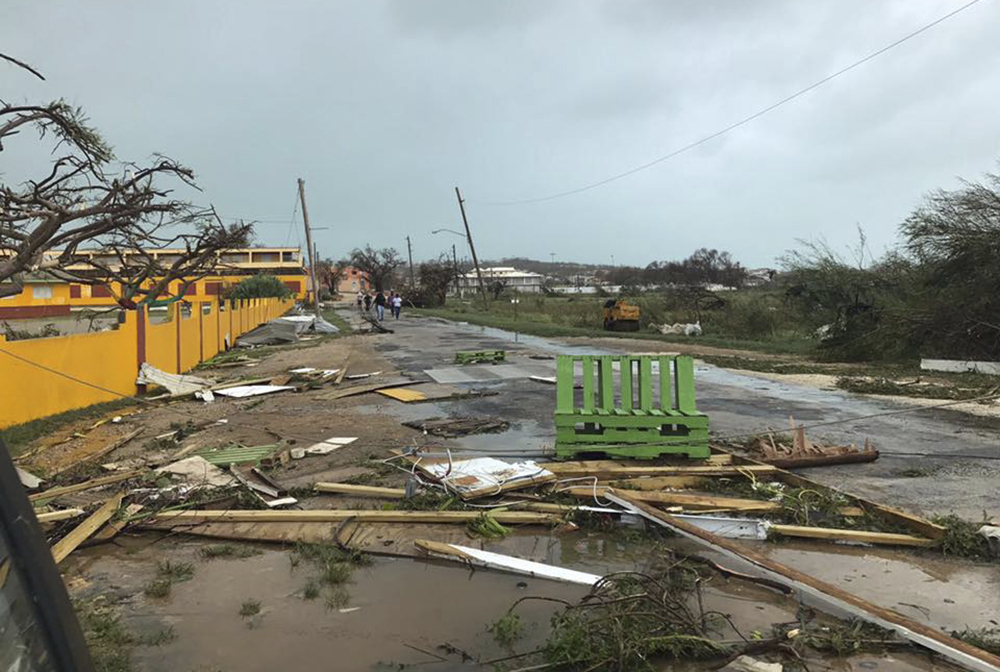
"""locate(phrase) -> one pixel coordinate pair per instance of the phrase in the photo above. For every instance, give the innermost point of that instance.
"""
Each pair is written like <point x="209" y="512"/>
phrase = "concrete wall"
<point x="111" y="359"/>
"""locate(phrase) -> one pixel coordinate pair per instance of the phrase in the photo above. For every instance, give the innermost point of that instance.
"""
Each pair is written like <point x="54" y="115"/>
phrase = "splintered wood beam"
<point x="88" y="527"/>
<point x="361" y="516"/>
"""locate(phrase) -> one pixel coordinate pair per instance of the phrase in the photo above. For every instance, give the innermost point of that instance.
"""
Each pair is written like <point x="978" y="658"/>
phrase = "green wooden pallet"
<point x="650" y="412"/>
<point x="481" y="357"/>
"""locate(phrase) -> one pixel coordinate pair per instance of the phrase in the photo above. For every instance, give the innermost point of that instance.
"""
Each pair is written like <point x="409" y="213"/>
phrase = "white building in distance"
<point x="512" y="279"/>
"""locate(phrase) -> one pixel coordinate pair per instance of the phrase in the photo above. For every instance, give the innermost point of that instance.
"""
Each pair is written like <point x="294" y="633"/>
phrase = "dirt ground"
<point x="405" y="612"/>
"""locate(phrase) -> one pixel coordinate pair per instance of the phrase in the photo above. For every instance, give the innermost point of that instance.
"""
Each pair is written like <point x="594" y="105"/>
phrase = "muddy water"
<point x="943" y="593"/>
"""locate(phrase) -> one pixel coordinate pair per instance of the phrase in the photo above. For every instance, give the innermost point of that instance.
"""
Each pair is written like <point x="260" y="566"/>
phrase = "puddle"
<point x="943" y="593"/>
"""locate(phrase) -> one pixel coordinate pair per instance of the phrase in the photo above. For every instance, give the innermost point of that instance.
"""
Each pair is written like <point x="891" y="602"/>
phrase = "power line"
<point x="741" y="122"/>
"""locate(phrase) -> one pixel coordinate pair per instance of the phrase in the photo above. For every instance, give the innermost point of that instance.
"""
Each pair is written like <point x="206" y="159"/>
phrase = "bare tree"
<point x="378" y="264"/>
<point x="330" y="273"/>
<point x="56" y="222"/>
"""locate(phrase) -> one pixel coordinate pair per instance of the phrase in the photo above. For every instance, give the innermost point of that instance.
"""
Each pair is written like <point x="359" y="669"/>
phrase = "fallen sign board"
<point x="480" y="476"/>
<point x="830" y="596"/>
<point x="481" y="558"/>
<point x="433" y="392"/>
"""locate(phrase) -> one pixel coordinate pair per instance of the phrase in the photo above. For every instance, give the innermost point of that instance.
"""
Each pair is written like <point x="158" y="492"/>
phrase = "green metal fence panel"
<point x="634" y="423"/>
<point x="564" y="385"/>
<point x="588" y="384"/>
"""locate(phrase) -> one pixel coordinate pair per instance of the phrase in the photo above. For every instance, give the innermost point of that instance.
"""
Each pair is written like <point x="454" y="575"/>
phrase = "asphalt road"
<point x="952" y="478"/>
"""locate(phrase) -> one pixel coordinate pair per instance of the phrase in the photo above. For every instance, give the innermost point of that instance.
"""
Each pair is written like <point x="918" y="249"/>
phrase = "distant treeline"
<point x="704" y="267"/>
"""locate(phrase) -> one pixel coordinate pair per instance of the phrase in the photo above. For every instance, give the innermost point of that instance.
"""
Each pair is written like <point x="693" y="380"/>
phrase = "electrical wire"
<point x="666" y="441"/>
<point x="741" y="122"/>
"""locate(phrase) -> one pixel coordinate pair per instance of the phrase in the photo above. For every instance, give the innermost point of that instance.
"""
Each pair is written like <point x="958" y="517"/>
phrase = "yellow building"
<point x="46" y="296"/>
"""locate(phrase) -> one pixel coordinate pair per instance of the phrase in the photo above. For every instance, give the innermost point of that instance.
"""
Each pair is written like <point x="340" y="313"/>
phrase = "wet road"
<point x="737" y="404"/>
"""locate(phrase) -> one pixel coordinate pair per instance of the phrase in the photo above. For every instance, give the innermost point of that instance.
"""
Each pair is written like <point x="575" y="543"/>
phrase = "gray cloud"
<point x="383" y="107"/>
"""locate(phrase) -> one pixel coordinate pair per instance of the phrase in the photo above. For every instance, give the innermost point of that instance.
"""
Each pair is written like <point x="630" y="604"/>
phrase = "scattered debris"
<point x="263" y="486"/>
<point x="360" y="490"/>
<point x="480" y="357"/>
<point x="450" y="428"/>
<point x="992" y="535"/>
<point x="166" y="519"/>
<point x="360" y="376"/>
<point x="549" y="380"/>
<point x="433" y="392"/>
<point x="54" y="493"/>
<point x="363" y="389"/>
<point x="106" y="450"/>
<point x="329" y="445"/>
<point x="238" y="454"/>
<point x="251" y="390"/>
<point x="28" y="480"/>
<point x="176" y="384"/>
<point x="480" y="476"/>
<point x="475" y="556"/>
<point x="196" y="471"/>
<point x="803" y="453"/>
<point x="678" y="329"/>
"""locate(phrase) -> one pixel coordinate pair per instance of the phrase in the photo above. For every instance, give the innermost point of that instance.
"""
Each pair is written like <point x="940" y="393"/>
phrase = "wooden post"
<point x="472" y="248"/>
<point x="409" y="252"/>
<point x="309" y="244"/>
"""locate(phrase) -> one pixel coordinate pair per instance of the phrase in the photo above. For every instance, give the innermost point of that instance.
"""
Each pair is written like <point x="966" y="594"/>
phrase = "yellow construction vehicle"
<point x="620" y="316"/>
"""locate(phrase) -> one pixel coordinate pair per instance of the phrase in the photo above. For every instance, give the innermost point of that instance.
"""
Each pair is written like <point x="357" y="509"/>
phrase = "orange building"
<point x="353" y="281"/>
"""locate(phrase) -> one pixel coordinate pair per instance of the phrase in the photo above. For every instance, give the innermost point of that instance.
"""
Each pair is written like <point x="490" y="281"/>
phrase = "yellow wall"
<point x="110" y="359"/>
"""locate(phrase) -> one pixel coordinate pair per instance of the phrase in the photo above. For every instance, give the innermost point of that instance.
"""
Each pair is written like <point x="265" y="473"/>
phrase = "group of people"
<point x="380" y="301"/>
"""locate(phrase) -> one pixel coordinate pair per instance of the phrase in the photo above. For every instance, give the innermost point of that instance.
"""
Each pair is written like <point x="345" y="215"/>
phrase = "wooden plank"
<point x="506" y="563"/>
<point x="363" y="389"/>
<point x="588" y="384"/>
<point x="569" y="470"/>
<point x="360" y="490"/>
<point x="84" y="530"/>
<point x="625" y="378"/>
<point x="52" y="493"/>
<point x="111" y="530"/>
<point x="688" y="501"/>
<point x="911" y="521"/>
<point x="659" y="482"/>
<point x="646" y="384"/>
<point x="403" y="394"/>
<point x="55" y="516"/>
<point x="361" y="516"/>
<point x="605" y="380"/>
<point x="882" y="538"/>
<point x="827" y="594"/>
<point x="684" y="382"/>
<point x="665" y="398"/>
<point x="565" y="378"/>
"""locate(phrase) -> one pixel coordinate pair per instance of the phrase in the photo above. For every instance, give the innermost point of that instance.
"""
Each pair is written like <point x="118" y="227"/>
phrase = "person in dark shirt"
<point x="380" y="305"/>
<point x="368" y="302"/>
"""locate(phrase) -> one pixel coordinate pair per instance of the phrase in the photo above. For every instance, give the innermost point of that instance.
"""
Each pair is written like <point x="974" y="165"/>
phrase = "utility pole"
<point x="472" y="248"/>
<point x="409" y="251"/>
<point x="454" y="263"/>
<point x="309" y="245"/>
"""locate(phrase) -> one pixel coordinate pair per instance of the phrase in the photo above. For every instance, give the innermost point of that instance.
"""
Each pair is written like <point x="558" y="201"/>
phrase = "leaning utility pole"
<point x="454" y="263"/>
<point x="309" y="245"/>
<point x="409" y="251"/>
<point x="472" y="248"/>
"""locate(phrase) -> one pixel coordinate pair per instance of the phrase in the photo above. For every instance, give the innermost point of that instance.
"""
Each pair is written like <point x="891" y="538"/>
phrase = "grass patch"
<point x="337" y="598"/>
<point x="334" y="318"/>
<point x="228" y="551"/>
<point x="987" y="639"/>
<point x="917" y="472"/>
<point x="962" y="538"/>
<point x="367" y="478"/>
<point x="109" y="641"/>
<point x="336" y="573"/>
<point x="19" y="437"/>
<point x="507" y="630"/>
<point x="921" y="390"/>
<point x="249" y="608"/>
<point x="175" y="572"/>
<point x="311" y="590"/>
<point x="159" y="638"/>
<point x="158" y="588"/>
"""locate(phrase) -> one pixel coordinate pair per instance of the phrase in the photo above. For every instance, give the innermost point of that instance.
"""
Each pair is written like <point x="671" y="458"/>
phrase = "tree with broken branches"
<point x="378" y="264"/>
<point x="119" y="212"/>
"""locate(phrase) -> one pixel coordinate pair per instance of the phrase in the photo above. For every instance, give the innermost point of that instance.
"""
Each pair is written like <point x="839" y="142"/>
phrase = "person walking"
<point x="380" y="305"/>
<point x="361" y="298"/>
<point x="368" y="302"/>
<point x="397" y="305"/>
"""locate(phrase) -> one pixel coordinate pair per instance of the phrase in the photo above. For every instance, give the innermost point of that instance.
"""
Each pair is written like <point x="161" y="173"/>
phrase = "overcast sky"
<point x="384" y="106"/>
